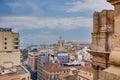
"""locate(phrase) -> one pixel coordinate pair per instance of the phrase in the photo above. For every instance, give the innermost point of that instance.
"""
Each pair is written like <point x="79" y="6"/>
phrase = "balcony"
<point x="100" y="58"/>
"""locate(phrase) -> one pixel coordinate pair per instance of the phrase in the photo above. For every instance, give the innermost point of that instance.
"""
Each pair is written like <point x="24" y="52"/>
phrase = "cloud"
<point x="87" y="5"/>
<point x="15" y="5"/>
<point x="39" y="38"/>
<point x="31" y="22"/>
<point x="25" y="7"/>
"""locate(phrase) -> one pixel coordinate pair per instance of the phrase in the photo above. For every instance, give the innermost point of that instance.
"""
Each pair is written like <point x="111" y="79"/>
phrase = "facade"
<point x="102" y="40"/>
<point x="106" y="43"/>
<point x="86" y="72"/>
<point x="9" y="40"/>
<point x="113" y="71"/>
<point x="32" y="60"/>
<point x="9" y="46"/>
<point x="42" y="59"/>
<point x="103" y="29"/>
<point x="63" y="56"/>
<point x="81" y="73"/>
<point x="10" y="66"/>
<point x="50" y="68"/>
<point x="53" y="71"/>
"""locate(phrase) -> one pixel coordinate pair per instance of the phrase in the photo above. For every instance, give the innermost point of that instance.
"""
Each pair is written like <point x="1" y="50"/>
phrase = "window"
<point x="23" y="78"/>
<point x="15" y="47"/>
<point x="89" y="74"/>
<point x="16" y="39"/>
<point x="5" y="43"/>
<point x="52" y="77"/>
<point x="57" y="76"/>
<point x="5" y="38"/>
<point x="5" y="47"/>
<point x="56" y="66"/>
<point x="16" y="43"/>
<point x="67" y="70"/>
<point x="28" y="78"/>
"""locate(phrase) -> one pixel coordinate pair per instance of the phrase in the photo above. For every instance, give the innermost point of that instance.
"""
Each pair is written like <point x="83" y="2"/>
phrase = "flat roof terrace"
<point x="19" y="70"/>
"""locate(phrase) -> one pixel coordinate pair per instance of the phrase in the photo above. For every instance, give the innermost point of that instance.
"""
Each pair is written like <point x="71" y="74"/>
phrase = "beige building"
<point x="86" y="72"/>
<point x="9" y="46"/>
<point x="10" y="66"/>
<point x="32" y="60"/>
<point x="53" y="71"/>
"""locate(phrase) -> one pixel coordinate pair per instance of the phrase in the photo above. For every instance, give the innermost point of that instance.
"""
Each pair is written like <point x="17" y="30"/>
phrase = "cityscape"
<point x="64" y="47"/>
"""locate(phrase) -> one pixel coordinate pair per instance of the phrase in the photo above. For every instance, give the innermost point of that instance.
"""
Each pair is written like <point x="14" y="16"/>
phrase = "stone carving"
<point x="113" y="71"/>
<point x="106" y="38"/>
<point x="103" y="30"/>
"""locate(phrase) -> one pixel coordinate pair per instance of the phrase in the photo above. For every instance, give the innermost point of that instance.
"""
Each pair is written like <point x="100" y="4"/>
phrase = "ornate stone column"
<point x="115" y="54"/>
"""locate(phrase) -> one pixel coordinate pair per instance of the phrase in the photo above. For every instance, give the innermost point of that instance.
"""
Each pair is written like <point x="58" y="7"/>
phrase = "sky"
<point x="44" y="21"/>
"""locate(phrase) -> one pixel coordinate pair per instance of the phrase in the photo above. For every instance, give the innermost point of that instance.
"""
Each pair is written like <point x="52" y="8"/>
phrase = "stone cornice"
<point x="98" y="53"/>
<point x="113" y="2"/>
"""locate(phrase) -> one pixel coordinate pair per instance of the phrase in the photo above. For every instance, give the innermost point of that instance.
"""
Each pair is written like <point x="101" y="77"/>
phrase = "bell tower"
<point x="115" y="54"/>
<point x="113" y="72"/>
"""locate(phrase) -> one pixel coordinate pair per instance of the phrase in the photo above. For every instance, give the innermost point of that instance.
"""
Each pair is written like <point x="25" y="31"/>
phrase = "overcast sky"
<point x="43" y="21"/>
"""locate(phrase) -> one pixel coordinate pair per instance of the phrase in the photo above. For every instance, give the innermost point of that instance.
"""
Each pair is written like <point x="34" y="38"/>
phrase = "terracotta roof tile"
<point x="53" y="67"/>
<point x="87" y="68"/>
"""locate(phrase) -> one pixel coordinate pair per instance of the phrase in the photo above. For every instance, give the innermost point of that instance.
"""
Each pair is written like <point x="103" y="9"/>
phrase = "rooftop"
<point x="53" y="67"/>
<point x="5" y="29"/>
<point x="13" y="71"/>
<point x="33" y="54"/>
<point x="87" y="68"/>
<point x="63" y="51"/>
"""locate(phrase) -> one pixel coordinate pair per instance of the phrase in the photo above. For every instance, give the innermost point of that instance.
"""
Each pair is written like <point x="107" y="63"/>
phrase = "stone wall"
<point x="111" y="73"/>
<point x="102" y="36"/>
